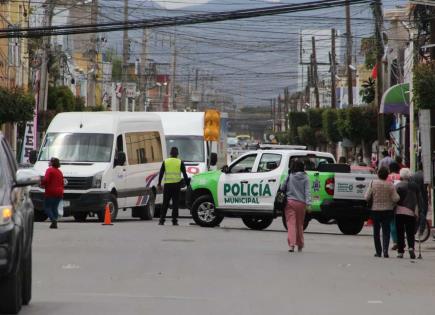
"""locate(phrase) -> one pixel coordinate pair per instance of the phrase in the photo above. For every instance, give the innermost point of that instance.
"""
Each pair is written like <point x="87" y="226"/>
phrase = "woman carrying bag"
<point x="297" y="191"/>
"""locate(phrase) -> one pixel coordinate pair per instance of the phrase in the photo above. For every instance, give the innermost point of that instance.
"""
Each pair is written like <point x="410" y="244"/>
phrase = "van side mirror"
<point x="120" y="159"/>
<point x="213" y="159"/>
<point x="33" y="156"/>
<point x="225" y="169"/>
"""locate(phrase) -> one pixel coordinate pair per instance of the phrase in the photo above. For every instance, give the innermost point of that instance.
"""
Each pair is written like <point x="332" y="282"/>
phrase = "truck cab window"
<point x="269" y="162"/>
<point x="245" y="165"/>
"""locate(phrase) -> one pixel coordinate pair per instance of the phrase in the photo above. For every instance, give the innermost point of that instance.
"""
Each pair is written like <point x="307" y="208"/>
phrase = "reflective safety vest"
<point x="172" y="171"/>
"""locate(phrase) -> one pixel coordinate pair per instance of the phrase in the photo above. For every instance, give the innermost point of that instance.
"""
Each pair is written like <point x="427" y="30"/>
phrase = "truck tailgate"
<point x="351" y="186"/>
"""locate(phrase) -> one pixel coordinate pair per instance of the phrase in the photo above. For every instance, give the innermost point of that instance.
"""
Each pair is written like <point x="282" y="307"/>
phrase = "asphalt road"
<point x="138" y="267"/>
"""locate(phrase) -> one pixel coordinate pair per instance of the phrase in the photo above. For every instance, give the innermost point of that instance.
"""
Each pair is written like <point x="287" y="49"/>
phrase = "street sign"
<point x="131" y="90"/>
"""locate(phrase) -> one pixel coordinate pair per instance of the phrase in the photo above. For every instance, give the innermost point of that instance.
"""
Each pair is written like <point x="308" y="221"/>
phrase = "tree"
<point x="368" y="49"/>
<point x="60" y="99"/>
<point x="368" y="91"/>
<point x="116" y="68"/>
<point x="330" y="125"/>
<point x="424" y="85"/>
<point x="16" y="106"/>
<point x="296" y="119"/>
<point x="307" y="136"/>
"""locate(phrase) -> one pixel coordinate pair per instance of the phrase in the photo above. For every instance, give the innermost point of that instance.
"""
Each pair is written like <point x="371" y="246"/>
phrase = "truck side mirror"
<point x="33" y="156"/>
<point x="213" y="159"/>
<point x="120" y="159"/>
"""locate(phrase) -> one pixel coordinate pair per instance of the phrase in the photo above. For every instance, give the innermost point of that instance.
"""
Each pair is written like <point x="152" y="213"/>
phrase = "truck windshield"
<point x="190" y="148"/>
<point x="312" y="162"/>
<point x="77" y="147"/>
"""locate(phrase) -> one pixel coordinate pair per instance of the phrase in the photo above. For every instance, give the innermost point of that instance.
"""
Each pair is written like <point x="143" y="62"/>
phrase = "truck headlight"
<point x="5" y="214"/>
<point x="96" y="180"/>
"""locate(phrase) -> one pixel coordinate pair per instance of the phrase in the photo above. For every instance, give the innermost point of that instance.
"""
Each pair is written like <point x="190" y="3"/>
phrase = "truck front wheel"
<point x="203" y="212"/>
<point x="350" y="226"/>
<point x="257" y="222"/>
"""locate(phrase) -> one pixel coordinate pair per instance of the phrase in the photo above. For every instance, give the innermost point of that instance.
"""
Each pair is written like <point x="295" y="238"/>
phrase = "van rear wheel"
<point x="203" y="212"/>
<point x="257" y="222"/>
<point x="147" y="212"/>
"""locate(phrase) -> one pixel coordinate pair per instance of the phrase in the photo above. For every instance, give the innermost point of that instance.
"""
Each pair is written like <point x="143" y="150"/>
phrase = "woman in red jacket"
<point x="53" y="184"/>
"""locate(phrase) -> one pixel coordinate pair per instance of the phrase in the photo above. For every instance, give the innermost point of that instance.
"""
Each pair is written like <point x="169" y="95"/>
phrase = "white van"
<point x="107" y="158"/>
<point x="185" y="130"/>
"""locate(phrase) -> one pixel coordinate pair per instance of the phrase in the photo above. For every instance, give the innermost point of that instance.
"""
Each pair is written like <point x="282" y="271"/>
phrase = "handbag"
<point x="281" y="199"/>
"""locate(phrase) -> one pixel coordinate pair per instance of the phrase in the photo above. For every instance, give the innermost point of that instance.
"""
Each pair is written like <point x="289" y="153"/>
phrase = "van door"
<point x="120" y="173"/>
<point x="240" y="187"/>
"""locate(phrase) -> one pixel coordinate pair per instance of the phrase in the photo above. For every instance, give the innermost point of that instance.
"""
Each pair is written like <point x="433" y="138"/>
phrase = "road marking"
<point x="375" y="302"/>
<point x="139" y="296"/>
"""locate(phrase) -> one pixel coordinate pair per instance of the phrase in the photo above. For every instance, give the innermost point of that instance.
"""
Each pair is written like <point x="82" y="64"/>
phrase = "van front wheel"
<point x="203" y="212"/>
<point x="147" y="212"/>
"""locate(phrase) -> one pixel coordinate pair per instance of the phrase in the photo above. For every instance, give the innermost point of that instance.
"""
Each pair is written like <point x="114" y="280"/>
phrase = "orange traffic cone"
<point x="107" y="216"/>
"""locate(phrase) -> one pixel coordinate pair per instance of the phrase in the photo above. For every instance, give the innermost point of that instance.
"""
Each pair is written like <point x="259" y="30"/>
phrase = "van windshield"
<point x="77" y="147"/>
<point x="190" y="148"/>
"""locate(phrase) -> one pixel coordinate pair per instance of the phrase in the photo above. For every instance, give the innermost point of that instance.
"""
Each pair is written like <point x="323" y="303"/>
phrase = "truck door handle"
<point x="244" y="182"/>
<point x="272" y="180"/>
<point x="360" y="178"/>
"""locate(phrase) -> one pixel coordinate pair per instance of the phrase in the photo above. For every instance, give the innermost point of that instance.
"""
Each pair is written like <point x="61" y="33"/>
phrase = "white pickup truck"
<point x="247" y="188"/>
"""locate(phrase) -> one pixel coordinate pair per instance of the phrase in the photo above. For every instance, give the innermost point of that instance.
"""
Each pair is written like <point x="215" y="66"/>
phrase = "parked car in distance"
<point x="16" y="232"/>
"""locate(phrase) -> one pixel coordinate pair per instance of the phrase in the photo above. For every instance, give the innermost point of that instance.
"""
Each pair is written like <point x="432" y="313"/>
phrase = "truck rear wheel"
<point x="203" y="212"/>
<point x="307" y="220"/>
<point x="257" y="222"/>
<point x="350" y="226"/>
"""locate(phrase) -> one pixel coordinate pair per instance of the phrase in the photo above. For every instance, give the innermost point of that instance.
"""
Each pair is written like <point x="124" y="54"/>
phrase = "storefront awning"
<point x="396" y="100"/>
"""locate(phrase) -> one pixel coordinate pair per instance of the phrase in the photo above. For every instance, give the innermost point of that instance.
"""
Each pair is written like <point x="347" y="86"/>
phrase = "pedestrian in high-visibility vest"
<point x="172" y="168"/>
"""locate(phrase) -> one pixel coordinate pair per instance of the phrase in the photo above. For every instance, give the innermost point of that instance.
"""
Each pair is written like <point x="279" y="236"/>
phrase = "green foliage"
<point x="15" y="106"/>
<point x="282" y="137"/>
<point x="315" y="118"/>
<point x="296" y="119"/>
<point x="306" y="135"/>
<point x="424" y="85"/>
<point x="60" y="99"/>
<point x="368" y="49"/>
<point x="330" y="125"/>
<point x="116" y="68"/>
<point x="368" y="91"/>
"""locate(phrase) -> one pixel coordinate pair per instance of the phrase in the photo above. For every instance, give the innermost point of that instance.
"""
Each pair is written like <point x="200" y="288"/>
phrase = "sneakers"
<point x="175" y="223"/>
<point x="394" y="247"/>
<point x="400" y="255"/>
<point x="161" y="223"/>
<point x="292" y="249"/>
<point x="53" y="225"/>
<point x="412" y="253"/>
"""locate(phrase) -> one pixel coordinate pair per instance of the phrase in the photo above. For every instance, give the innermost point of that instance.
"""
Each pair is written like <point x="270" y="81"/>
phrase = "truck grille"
<point x="78" y="183"/>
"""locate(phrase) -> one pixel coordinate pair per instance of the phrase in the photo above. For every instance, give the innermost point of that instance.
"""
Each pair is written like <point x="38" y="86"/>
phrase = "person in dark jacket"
<point x="53" y="184"/>
<point x="172" y="168"/>
<point x="418" y="179"/>
<point x="406" y="213"/>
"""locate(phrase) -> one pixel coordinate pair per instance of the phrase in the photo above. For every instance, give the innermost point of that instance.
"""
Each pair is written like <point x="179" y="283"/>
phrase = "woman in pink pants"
<point x="297" y="190"/>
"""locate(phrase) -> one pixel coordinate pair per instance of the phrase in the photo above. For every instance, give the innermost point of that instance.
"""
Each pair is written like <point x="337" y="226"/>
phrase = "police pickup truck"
<point x="247" y="188"/>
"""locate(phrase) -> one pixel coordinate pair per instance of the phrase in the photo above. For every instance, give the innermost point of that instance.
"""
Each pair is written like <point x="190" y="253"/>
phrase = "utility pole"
<point x="333" y="70"/>
<point x="377" y="12"/>
<point x="315" y="77"/>
<point x="174" y="72"/>
<point x="43" y="89"/>
<point x="92" y="65"/>
<point x="143" y="73"/>
<point x="125" y="57"/>
<point x="349" y="55"/>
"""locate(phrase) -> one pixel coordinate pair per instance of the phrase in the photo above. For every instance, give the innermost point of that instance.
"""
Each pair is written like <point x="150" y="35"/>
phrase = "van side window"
<point x="143" y="147"/>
